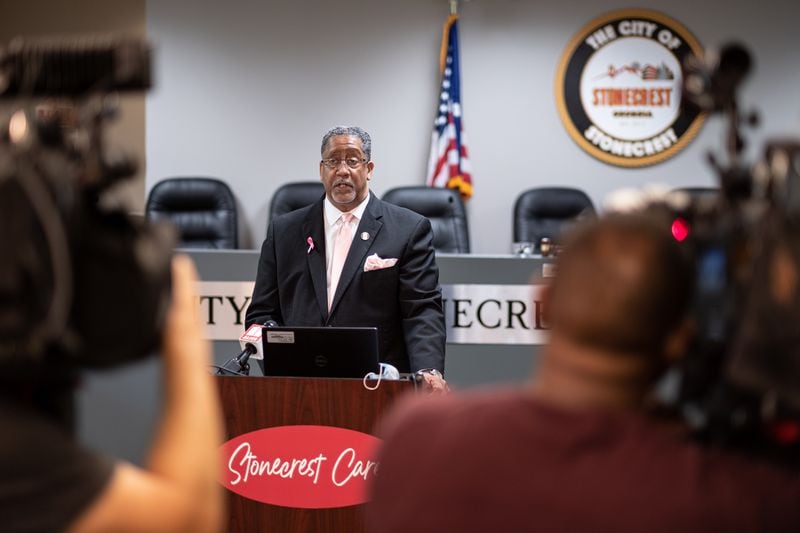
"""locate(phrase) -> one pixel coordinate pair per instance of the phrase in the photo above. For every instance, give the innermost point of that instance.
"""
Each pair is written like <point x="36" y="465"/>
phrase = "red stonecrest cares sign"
<point x="309" y="467"/>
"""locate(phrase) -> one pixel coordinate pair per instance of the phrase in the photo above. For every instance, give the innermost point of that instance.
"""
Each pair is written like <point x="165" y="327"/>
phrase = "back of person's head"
<point x="623" y="285"/>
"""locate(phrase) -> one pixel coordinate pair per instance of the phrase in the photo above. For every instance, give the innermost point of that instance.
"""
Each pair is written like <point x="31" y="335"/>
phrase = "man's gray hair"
<point x="355" y="131"/>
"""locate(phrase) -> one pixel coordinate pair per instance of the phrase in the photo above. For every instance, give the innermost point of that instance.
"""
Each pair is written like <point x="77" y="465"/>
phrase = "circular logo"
<point x="619" y="88"/>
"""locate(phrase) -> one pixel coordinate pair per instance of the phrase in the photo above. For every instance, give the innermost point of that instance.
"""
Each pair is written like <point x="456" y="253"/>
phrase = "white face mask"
<point x="387" y="372"/>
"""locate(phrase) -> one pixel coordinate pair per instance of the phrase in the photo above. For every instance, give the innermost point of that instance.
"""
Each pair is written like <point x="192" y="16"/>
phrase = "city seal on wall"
<point x="619" y="88"/>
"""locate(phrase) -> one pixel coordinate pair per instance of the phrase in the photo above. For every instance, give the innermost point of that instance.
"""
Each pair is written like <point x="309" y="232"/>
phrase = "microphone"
<point x="250" y="342"/>
<point x="252" y="347"/>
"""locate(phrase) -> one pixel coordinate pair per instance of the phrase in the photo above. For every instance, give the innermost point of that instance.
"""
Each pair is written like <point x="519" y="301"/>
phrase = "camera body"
<point x="81" y="285"/>
<point x="740" y="382"/>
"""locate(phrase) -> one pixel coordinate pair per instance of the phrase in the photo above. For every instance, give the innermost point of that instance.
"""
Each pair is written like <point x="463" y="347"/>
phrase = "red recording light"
<point x="680" y="229"/>
<point x="785" y="432"/>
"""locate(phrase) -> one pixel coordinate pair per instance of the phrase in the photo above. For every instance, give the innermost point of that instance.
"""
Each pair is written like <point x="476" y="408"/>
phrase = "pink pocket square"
<point x="374" y="262"/>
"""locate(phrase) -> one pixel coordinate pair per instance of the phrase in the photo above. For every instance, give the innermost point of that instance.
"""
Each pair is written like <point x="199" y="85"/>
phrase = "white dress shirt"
<point x="332" y="221"/>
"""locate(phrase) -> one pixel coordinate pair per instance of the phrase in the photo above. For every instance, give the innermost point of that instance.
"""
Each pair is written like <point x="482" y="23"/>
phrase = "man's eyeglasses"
<point x="352" y="162"/>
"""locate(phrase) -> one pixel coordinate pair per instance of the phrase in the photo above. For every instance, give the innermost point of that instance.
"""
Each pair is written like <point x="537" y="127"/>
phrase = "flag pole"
<point x="454" y="7"/>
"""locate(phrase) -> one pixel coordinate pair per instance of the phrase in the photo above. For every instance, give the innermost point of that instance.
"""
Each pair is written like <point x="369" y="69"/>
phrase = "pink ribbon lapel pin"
<point x="310" y="242"/>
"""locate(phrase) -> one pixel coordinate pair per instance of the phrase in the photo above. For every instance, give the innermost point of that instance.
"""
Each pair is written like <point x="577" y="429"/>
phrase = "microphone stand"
<point x="238" y="365"/>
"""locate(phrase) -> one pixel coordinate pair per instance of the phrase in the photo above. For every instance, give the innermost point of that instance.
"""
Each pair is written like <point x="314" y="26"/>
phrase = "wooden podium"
<point x="253" y="403"/>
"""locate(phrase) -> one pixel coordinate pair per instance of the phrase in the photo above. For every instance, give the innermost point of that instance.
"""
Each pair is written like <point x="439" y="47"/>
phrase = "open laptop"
<point x="331" y="352"/>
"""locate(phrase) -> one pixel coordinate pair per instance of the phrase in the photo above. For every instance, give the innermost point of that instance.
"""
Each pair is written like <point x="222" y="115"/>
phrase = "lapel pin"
<point x="310" y="242"/>
<point x="364" y="236"/>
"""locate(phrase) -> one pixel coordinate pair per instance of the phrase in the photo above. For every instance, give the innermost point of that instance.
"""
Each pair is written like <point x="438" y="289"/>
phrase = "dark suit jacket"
<point x="404" y="301"/>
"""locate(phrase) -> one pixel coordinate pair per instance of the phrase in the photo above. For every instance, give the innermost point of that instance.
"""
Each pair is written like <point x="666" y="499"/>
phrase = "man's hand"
<point x="434" y="381"/>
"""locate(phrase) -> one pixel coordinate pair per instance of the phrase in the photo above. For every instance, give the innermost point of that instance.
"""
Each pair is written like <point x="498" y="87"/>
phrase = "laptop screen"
<point x="333" y="352"/>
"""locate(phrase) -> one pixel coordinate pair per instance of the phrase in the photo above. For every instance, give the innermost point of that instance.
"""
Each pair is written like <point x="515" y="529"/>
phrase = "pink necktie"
<point x="341" y="246"/>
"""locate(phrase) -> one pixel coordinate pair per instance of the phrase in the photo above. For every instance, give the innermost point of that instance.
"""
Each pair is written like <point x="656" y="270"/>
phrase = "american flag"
<point x="448" y="165"/>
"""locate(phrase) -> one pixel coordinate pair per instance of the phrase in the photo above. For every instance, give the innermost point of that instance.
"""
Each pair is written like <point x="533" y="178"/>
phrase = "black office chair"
<point x="291" y="196"/>
<point x="203" y="209"/>
<point x="443" y="207"/>
<point x="548" y="212"/>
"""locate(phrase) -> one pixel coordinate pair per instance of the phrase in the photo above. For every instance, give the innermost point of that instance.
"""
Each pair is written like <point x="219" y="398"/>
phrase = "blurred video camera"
<point x="81" y="285"/>
<point x="740" y="383"/>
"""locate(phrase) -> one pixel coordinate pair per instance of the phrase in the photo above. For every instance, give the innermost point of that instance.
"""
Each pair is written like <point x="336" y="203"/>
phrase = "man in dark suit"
<point x="388" y="279"/>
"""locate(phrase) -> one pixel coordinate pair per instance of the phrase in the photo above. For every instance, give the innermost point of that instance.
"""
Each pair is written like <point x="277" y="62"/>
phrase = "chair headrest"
<point x="553" y="202"/>
<point x="294" y="195"/>
<point x="190" y="194"/>
<point x="445" y="210"/>
<point x="548" y="211"/>
<point x="203" y="209"/>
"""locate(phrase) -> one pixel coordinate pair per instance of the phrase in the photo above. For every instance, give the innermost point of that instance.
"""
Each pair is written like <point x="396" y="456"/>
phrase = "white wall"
<point x="244" y="91"/>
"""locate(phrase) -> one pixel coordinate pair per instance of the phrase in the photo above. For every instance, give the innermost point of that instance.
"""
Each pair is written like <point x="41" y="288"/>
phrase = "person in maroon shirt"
<point x="577" y="450"/>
